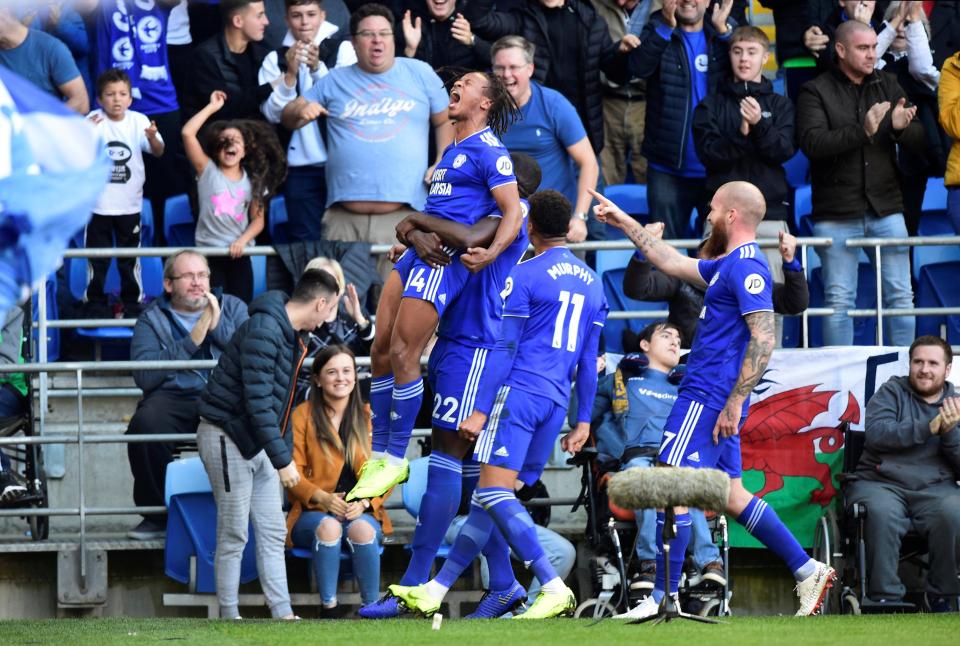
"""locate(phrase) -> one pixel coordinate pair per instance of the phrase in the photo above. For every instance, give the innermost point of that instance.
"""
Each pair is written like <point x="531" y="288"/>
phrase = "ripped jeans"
<point x="326" y="556"/>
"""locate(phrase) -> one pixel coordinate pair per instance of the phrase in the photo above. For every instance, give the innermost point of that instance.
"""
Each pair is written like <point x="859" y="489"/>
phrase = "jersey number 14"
<point x="573" y="304"/>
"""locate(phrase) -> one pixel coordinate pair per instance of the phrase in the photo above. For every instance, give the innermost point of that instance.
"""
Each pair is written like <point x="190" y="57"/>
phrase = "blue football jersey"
<point x="737" y="284"/>
<point x="475" y="317"/>
<point x="560" y="298"/>
<point x="468" y="171"/>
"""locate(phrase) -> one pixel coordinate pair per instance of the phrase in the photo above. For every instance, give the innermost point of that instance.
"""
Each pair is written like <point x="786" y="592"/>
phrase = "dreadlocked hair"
<point x="504" y="110"/>
<point x="264" y="159"/>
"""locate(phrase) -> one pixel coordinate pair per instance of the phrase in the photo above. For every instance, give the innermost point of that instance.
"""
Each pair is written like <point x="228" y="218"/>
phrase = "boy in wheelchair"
<point x="629" y="411"/>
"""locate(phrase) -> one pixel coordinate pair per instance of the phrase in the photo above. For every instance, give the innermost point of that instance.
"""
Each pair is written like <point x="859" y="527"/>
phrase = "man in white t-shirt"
<point x="116" y="215"/>
<point x="311" y="47"/>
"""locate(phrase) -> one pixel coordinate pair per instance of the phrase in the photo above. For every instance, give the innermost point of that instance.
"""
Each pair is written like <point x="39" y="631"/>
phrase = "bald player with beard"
<point x="732" y="348"/>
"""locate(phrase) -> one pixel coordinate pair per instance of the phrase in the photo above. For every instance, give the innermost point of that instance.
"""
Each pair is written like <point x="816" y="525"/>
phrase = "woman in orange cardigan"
<point x="331" y="441"/>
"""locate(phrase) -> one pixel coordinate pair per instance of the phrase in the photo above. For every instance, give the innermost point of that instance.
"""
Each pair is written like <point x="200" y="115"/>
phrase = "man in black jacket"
<point x="436" y="32"/>
<point x="572" y="46"/>
<point x="230" y="62"/>
<point x="243" y="434"/>
<point x="684" y="60"/>
<point x="745" y="132"/>
<point x="641" y="282"/>
<point x="850" y="121"/>
<point x="907" y="475"/>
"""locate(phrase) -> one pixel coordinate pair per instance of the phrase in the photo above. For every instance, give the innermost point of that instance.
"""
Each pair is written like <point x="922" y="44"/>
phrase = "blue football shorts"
<point x="439" y="286"/>
<point x="521" y="433"/>
<point x="688" y="439"/>
<point x="454" y="372"/>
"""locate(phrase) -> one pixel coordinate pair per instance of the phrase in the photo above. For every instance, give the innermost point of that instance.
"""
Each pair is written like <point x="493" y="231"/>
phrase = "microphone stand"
<point x="669" y="610"/>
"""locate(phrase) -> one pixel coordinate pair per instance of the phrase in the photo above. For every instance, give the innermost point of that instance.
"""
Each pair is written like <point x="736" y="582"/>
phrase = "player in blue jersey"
<point x="553" y="316"/>
<point x="473" y="179"/>
<point x="734" y="340"/>
<point x="467" y="334"/>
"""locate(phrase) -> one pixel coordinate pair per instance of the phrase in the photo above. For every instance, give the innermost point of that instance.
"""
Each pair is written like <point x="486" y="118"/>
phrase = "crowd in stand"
<point x="341" y="108"/>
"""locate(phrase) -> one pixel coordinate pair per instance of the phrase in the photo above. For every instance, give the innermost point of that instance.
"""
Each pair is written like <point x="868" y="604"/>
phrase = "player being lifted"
<point x="733" y="344"/>
<point x="552" y="319"/>
<point x="467" y="334"/>
<point x="473" y="179"/>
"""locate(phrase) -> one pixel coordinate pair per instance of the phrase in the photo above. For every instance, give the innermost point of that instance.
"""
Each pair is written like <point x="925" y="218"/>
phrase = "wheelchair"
<point x="840" y="542"/>
<point x="610" y="551"/>
<point x="26" y="460"/>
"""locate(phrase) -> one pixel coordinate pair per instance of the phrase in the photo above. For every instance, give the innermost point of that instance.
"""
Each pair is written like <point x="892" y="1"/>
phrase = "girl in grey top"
<point x="239" y="168"/>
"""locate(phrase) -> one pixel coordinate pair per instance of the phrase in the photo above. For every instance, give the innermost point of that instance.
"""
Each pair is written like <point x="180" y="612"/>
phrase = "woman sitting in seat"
<point x="331" y="441"/>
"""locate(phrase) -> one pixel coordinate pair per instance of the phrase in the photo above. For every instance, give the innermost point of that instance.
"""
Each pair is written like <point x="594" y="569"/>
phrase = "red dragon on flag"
<point x="772" y="441"/>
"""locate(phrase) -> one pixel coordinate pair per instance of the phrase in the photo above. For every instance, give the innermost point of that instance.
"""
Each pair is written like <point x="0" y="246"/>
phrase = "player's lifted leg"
<point x="552" y="321"/>
<point x="462" y="192"/>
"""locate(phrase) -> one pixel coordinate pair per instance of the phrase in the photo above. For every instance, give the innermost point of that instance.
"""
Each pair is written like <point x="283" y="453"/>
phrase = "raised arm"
<point x="663" y="256"/>
<point x="759" y="349"/>
<point x="191" y="145"/>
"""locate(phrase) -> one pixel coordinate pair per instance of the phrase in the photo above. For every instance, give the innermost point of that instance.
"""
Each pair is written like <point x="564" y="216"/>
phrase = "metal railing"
<point x="42" y="368"/>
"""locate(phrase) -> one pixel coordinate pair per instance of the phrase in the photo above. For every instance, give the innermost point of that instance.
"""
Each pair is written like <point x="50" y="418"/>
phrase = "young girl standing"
<point x="239" y="167"/>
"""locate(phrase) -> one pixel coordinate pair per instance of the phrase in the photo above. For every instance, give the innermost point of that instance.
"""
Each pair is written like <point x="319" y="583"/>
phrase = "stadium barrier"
<point x="42" y="368"/>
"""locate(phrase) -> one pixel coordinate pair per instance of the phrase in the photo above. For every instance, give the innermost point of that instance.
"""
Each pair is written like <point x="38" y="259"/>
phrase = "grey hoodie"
<point x="899" y="447"/>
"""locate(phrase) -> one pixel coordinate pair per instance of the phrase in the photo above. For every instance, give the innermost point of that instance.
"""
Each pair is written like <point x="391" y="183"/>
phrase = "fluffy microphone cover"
<point x="645" y="488"/>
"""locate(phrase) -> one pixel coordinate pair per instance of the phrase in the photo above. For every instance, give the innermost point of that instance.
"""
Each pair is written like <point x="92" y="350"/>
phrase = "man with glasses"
<point x="188" y="322"/>
<point x="379" y="114"/>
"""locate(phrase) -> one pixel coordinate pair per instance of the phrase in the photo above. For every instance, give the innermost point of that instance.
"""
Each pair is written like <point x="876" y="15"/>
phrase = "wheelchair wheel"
<point x="850" y="604"/>
<point x="710" y="608"/>
<point x="589" y="610"/>
<point x="826" y="549"/>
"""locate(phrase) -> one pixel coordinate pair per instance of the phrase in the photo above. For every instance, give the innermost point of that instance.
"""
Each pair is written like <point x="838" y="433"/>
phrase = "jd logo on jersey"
<point x="754" y="283"/>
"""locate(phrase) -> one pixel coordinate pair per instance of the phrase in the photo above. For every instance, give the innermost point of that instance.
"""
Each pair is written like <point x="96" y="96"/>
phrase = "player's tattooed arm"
<point x="663" y="256"/>
<point x="759" y="349"/>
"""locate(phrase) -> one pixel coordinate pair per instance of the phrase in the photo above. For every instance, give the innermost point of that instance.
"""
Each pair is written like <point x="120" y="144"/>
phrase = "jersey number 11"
<point x="566" y="300"/>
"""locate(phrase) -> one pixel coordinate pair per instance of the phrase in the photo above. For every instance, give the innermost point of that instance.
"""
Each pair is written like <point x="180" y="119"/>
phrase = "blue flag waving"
<point x="52" y="169"/>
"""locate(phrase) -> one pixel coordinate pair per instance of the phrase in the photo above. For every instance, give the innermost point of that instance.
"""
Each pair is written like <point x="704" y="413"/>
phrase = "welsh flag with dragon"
<point x="792" y="442"/>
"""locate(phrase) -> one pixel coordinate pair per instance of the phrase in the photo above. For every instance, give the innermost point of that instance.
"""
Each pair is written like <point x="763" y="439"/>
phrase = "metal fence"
<point x="42" y="368"/>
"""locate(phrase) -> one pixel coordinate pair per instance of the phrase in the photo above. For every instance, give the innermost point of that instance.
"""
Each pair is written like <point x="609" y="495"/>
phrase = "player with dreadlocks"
<point x="473" y="180"/>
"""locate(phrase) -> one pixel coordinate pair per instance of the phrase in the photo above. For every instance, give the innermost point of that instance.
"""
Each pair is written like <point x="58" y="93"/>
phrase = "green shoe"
<point x="369" y="467"/>
<point x="551" y="605"/>
<point x="379" y="478"/>
<point x="416" y="599"/>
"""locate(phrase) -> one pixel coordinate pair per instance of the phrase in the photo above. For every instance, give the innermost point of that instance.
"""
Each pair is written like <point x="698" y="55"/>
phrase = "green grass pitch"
<point x="896" y="630"/>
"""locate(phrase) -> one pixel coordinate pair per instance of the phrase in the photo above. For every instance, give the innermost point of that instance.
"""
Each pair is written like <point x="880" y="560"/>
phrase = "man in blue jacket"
<point x="687" y="57"/>
<point x="187" y="322"/>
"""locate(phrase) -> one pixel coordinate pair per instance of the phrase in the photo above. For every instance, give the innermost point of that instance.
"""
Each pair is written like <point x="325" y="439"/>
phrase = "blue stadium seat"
<point x="412" y="493"/>
<point x="53" y="334"/>
<point x="618" y="301"/>
<point x="802" y="208"/>
<point x="929" y="255"/>
<point x="935" y="197"/>
<point x="937" y="288"/>
<point x="632" y="199"/>
<point x="179" y="226"/>
<point x="146" y="224"/>
<point x="797" y="169"/>
<point x="192" y="529"/>
<point x="279" y="227"/>
<point x="259" y="265"/>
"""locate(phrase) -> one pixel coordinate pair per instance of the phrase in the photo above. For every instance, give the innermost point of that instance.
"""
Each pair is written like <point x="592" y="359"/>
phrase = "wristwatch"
<point x="581" y="215"/>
